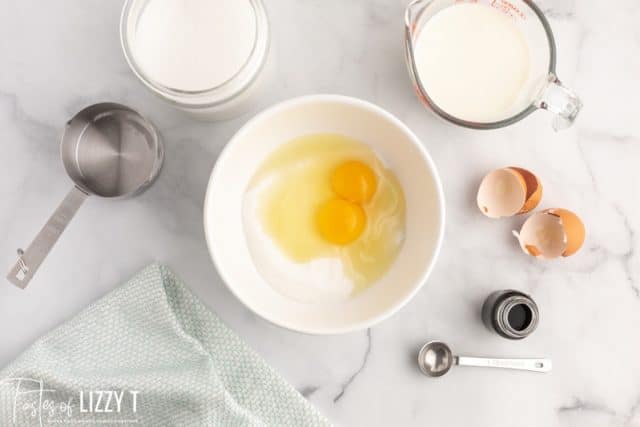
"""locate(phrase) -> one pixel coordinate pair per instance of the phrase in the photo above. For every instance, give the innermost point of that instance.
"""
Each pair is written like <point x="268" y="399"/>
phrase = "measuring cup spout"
<point x="559" y="100"/>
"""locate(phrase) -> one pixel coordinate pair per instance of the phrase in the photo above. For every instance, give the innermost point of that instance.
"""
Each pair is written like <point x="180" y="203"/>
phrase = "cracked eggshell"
<point x="534" y="189"/>
<point x="573" y="228"/>
<point x="509" y="191"/>
<point x="551" y="233"/>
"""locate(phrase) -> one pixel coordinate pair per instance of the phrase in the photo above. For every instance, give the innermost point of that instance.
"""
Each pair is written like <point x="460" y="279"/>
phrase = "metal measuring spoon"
<point x="108" y="150"/>
<point x="435" y="359"/>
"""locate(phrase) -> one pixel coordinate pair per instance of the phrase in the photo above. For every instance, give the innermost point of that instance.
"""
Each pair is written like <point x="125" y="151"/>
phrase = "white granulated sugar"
<point x="317" y="281"/>
<point x="194" y="45"/>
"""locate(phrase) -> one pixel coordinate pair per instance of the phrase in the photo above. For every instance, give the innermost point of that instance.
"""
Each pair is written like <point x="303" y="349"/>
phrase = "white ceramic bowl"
<point x="402" y="152"/>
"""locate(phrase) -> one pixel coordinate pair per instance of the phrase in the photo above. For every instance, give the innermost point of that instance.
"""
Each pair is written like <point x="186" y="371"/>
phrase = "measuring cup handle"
<point x="30" y="260"/>
<point x="561" y="101"/>
<point x="536" y="365"/>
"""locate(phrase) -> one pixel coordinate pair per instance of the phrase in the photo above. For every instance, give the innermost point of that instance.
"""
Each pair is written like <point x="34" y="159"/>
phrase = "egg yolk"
<point x="340" y="222"/>
<point x="354" y="181"/>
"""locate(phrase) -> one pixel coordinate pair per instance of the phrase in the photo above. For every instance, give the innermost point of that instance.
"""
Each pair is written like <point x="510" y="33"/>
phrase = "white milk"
<point x="194" y="45"/>
<point x="474" y="63"/>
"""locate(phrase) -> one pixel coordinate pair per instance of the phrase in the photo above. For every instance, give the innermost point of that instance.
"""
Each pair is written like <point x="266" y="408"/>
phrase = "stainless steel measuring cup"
<point x="108" y="150"/>
<point x="545" y="90"/>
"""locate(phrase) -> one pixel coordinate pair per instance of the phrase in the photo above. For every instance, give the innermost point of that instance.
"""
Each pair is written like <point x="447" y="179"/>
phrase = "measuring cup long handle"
<point x="537" y="365"/>
<point x="30" y="260"/>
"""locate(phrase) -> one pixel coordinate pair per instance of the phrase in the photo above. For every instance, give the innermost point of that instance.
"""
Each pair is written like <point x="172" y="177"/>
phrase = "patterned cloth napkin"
<point x="149" y="353"/>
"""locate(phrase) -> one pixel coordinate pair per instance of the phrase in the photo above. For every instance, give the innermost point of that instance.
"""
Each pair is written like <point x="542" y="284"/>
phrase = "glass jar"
<point x="222" y="101"/>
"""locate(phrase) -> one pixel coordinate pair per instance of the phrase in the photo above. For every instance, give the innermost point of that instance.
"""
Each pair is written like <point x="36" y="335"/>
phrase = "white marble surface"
<point x="60" y="56"/>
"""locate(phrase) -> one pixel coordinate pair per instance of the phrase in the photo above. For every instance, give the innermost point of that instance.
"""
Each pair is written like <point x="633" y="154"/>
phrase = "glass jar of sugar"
<point x="206" y="57"/>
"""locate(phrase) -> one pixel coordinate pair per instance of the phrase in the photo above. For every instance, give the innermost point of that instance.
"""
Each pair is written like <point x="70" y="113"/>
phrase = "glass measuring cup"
<point x="543" y="91"/>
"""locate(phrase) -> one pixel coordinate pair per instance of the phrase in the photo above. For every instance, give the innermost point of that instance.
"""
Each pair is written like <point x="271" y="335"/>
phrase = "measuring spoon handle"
<point x="30" y="260"/>
<point x="536" y="365"/>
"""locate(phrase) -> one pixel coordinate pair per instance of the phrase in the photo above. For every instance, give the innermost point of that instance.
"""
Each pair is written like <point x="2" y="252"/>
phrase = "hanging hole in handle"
<point x="544" y="365"/>
<point x="21" y="274"/>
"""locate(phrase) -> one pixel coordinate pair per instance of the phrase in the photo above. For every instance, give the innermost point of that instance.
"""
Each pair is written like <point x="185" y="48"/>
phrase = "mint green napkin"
<point x="159" y="357"/>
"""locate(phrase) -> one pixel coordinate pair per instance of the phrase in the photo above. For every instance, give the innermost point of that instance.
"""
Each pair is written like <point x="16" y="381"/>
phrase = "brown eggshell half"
<point x="534" y="189"/>
<point x="573" y="228"/>
<point x="543" y="235"/>
<point x="552" y="233"/>
<point x="502" y="193"/>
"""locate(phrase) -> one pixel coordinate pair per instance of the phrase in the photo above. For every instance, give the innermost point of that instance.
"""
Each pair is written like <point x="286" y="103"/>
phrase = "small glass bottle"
<point x="512" y="314"/>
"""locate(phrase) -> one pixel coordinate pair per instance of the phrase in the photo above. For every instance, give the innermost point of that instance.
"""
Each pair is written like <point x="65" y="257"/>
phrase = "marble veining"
<point x="58" y="57"/>
<point x="353" y="376"/>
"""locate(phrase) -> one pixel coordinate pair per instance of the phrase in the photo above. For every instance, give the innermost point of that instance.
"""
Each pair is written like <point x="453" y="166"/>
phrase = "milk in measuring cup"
<point x="474" y="63"/>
